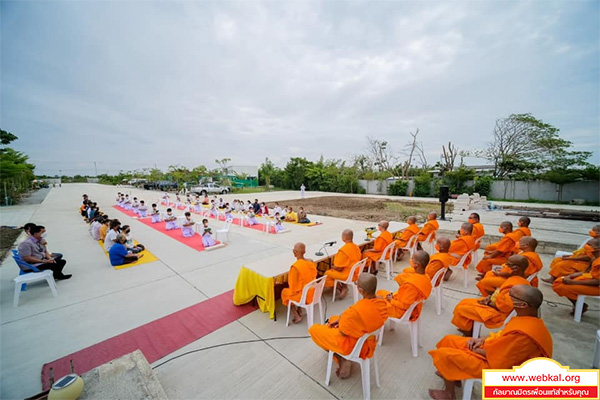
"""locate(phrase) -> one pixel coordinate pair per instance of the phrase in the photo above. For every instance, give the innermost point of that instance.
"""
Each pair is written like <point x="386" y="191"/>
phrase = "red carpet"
<point x="155" y="339"/>
<point x="195" y="242"/>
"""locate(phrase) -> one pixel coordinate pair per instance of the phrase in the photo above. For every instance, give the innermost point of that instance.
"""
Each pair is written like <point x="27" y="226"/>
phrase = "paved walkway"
<point x="100" y="302"/>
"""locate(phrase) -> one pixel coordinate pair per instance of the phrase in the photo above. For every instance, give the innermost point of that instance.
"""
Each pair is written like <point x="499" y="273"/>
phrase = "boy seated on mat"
<point x="187" y="228"/>
<point x="143" y="209"/>
<point x="171" y="220"/>
<point x="207" y="239"/>
<point x="155" y="214"/>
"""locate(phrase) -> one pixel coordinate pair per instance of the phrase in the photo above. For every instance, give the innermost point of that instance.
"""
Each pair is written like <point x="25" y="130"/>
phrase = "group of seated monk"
<point x="503" y="282"/>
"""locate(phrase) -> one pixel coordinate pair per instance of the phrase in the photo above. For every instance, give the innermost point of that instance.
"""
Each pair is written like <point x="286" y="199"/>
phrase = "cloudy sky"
<point x="133" y="84"/>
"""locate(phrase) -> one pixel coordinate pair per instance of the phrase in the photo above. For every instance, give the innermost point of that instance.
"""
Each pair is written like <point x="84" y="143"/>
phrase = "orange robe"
<point x="301" y="273"/>
<point x="345" y="258"/>
<point x="437" y="262"/>
<point x="478" y="231"/>
<point x="409" y="232"/>
<point x="506" y="246"/>
<point x="430" y="226"/>
<point x="560" y="267"/>
<point x="491" y="281"/>
<point x="519" y="233"/>
<point x="380" y="243"/>
<point x="572" y="291"/>
<point x="460" y="247"/>
<point x="469" y="310"/>
<point x="522" y="339"/>
<point x="415" y="287"/>
<point x="367" y="315"/>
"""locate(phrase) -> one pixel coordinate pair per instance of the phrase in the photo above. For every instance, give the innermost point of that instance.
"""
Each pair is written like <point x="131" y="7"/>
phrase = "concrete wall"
<point x="546" y="191"/>
<point x="381" y="187"/>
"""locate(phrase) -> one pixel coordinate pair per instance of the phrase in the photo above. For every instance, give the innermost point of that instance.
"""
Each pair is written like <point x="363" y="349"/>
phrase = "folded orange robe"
<point x="345" y="258"/>
<point x="522" y="339"/>
<point x="366" y="316"/>
<point x="410" y="231"/>
<point x="572" y="291"/>
<point x="506" y="246"/>
<point x="560" y="267"/>
<point x="430" y="226"/>
<point x="469" y="310"/>
<point x="415" y="287"/>
<point x="380" y="243"/>
<point x="460" y="247"/>
<point x="302" y="272"/>
<point x="491" y="282"/>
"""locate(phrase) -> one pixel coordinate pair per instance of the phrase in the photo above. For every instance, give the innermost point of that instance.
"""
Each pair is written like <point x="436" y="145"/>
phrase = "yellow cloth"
<point x="250" y="284"/>
<point x="148" y="257"/>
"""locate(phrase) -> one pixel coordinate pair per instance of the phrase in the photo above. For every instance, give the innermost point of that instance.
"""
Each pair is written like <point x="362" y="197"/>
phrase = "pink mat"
<point x="195" y="242"/>
<point x="155" y="339"/>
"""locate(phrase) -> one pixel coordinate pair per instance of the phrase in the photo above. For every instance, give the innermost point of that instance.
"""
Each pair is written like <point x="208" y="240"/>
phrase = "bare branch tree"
<point x="422" y="157"/>
<point x="381" y="154"/>
<point x="410" y="150"/>
<point x="448" y="158"/>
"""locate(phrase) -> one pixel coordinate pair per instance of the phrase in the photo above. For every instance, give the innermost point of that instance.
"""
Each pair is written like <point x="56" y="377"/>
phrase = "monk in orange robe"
<point x="478" y="231"/>
<point x="522" y="230"/>
<point x="463" y="243"/>
<point x="302" y="272"/>
<point x="343" y="262"/>
<point x="497" y="253"/>
<point x="430" y="228"/>
<point x="342" y="332"/>
<point x="586" y="283"/>
<point x="380" y="243"/>
<point x="412" y="288"/>
<point x="491" y="310"/>
<point x="495" y="278"/>
<point x="524" y="337"/>
<point x="569" y="264"/>
<point x="407" y="233"/>
<point x="438" y="261"/>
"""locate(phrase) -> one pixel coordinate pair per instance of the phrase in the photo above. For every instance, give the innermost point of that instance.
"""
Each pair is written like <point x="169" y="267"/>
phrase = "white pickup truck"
<point x="210" y="188"/>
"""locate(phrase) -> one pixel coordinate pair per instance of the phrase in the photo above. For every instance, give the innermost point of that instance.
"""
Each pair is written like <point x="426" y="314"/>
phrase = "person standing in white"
<point x="302" y="190"/>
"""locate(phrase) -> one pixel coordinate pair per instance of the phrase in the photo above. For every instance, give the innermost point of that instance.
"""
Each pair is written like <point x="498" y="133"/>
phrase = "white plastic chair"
<point x="411" y="246"/>
<point x="468" y="388"/>
<point x="596" y="362"/>
<point x="224" y="230"/>
<point x="476" y="251"/>
<point x="430" y="244"/>
<point x="318" y="285"/>
<point x="415" y="336"/>
<point x="387" y="259"/>
<point x="579" y="306"/>
<point x="477" y="325"/>
<point x="461" y="264"/>
<point x="359" y="265"/>
<point x="365" y="365"/>
<point x="437" y="290"/>
<point x="30" y="278"/>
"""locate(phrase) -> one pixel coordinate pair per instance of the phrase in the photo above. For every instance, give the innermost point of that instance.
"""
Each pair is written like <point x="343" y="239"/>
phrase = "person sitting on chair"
<point x="33" y="252"/>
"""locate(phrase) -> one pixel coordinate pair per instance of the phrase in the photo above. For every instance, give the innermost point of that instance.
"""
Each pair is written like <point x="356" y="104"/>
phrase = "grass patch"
<point x="7" y="239"/>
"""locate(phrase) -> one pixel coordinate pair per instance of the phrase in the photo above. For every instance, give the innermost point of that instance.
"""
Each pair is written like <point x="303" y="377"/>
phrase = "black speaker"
<point x="444" y="194"/>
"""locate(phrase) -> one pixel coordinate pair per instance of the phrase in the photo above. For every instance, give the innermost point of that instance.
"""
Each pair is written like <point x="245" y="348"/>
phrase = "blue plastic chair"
<point x="22" y="264"/>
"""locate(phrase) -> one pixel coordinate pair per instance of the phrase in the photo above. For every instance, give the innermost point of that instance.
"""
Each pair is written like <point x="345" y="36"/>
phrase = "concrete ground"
<point x="99" y="302"/>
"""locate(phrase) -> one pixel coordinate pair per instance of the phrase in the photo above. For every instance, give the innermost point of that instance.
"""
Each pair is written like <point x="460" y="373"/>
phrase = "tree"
<point x="224" y="165"/>
<point x="16" y="173"/>
<point x="457" y="178"/>
<point x="410" y="150"/>
<point x="266" y="171"/>
<point x="6" y="137"/>
<point x="380" y="152"/>
<point x="295" y="173"/>
<point x="526" y="145"/>
<point x="448" y="158"/>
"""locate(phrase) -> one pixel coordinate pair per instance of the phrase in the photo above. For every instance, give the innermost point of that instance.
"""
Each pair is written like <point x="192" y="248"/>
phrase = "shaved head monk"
<point x="463" y="243"/>
<point x="491" y="310"/>
<point x="497" y="253"/>
<point x="522" y="230"/>
<point x="524" y="337"/>
<point x="302" y="272"/>
<point x="342" y="332"/>
<point x="430" y="228"/>
<point x="380" y="243"/>
<point x="495" y="278"/>
<point x="585" y="283"/>
<point x="407" y="233"/>
<point x="478" y="231"/>
<point x="413" y="286"/>
<point x="343" y="262"/>
<point x="569" y="264"/>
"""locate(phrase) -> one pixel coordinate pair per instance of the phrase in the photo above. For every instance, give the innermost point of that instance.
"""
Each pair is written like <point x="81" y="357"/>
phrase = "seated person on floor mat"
<point x="170" y="220"/>
<point x="187" y="226"/>
<point x="207" y="239"/>
<point x="302" y="217"/>
<point x="291" y="216"/>
<point x="129" y="243"/>
<point x="118" y="253"/>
